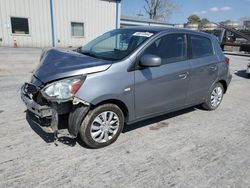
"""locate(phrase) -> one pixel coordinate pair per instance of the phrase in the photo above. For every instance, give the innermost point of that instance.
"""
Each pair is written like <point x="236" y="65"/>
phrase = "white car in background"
<point x="248" y="70"/>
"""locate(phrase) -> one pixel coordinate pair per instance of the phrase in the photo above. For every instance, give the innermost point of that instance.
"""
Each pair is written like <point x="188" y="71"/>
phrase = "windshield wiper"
<point x="88" y="53"/>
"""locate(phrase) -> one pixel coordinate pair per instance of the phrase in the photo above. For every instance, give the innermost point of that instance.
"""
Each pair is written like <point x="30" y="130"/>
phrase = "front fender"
<point x="114" y="84"/>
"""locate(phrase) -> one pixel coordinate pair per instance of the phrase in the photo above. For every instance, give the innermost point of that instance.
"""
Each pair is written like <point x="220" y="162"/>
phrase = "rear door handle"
<point x="183" y="76"/>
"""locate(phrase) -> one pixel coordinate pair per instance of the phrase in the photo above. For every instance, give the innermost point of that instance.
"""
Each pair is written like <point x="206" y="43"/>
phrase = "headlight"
<point x="63" y="89"/>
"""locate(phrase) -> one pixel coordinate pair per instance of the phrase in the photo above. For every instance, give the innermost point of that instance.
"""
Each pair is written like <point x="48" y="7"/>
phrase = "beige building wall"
<point x="98" y="17"/>
<point x="38" y="14"/>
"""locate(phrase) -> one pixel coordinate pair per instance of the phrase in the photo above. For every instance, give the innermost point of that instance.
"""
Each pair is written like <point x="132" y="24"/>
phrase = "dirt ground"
<point x="190" y="148"/>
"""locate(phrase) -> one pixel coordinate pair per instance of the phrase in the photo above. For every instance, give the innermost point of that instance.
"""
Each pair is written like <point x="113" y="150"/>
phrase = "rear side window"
<point x="201" y="46"/>
<point x="170" y="48"/>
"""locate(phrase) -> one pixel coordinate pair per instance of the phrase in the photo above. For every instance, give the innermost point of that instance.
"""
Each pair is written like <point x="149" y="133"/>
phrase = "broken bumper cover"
<point x="77" y="110"/>
<point x="41" y="111"/>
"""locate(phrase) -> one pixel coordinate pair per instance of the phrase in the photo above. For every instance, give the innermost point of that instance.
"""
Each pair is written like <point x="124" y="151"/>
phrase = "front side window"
<point x="117" y="44"/>
<point x="77" y="29"/>
<point x="170" y="48"/>
<point x="19" y="25"/>
<point x="201" y="46"/>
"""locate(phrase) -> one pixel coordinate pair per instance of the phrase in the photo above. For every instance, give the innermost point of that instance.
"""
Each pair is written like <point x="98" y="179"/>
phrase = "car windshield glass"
<point x="115" y="45"/>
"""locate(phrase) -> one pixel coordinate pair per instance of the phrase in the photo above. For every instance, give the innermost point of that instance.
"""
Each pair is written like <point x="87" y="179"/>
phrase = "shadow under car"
<point x="64" y="137"/>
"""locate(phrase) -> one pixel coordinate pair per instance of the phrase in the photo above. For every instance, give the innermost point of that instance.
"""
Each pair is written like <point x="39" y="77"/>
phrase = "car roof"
<point x="157" y="29"/>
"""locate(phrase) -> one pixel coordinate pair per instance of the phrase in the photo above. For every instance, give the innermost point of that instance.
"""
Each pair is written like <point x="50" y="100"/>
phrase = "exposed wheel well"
<point x="224" y="83"/>
<point x="119" y="103"/>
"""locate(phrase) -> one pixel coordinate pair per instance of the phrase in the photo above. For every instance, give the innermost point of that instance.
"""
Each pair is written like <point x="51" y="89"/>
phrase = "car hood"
<point x="56" y="64"/>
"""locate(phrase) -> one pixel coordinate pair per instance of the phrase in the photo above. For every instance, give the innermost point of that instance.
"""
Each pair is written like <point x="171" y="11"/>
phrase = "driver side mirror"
<point x="150" y="60"/>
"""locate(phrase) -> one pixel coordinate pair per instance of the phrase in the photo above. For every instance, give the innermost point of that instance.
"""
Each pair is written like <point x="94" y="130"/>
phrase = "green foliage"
<point x="194" y="19"/>
<point x="204" y="21"/>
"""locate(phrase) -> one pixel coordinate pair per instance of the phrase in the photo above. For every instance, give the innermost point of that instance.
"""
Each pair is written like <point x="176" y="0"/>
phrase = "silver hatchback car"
<point x="125" y="76"/>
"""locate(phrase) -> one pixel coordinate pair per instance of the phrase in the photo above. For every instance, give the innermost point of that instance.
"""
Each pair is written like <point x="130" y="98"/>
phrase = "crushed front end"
<point x="49" y="102"/>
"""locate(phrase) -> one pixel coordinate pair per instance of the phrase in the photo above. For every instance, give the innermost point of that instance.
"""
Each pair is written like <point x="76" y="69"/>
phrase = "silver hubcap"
<point x="216" y="96"/>
<point x="104" y="127"/>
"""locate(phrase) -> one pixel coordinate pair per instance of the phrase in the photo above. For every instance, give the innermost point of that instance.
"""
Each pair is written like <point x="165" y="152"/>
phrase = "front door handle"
<point x="183" y="76"/>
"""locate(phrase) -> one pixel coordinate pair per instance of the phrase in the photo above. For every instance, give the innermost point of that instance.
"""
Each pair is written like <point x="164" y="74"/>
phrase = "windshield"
<point x="115" y="45"/>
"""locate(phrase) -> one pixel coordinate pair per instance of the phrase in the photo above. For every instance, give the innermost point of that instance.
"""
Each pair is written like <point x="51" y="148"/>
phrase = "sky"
<point x="214" y="10"/>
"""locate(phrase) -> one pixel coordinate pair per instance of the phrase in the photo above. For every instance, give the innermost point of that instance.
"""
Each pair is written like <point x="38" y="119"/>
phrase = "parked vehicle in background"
<point x="231" y="39"/>
<point x="125" y="76"/>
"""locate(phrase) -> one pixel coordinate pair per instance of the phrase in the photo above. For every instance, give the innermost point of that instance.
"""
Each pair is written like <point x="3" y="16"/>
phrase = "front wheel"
<point x="102" y="126"/>
<point x="214" y="97"/>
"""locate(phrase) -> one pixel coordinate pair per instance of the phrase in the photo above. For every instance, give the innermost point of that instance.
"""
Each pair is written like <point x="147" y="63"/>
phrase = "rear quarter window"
<point x="201" y="46"/>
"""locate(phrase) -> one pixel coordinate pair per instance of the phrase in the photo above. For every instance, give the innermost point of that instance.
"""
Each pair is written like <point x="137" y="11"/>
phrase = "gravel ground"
<point x="190" y="148"/>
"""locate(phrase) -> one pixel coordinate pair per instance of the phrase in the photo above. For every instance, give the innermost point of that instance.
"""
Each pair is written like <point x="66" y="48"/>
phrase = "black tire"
<point x="85" y="129"/>
<point x="207" y="105"/>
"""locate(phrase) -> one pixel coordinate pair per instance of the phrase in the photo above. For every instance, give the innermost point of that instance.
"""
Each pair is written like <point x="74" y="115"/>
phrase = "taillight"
<point x="227" y="61"/>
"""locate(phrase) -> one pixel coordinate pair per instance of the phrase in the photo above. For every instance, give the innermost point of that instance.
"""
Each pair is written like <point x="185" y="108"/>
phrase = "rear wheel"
<point x="214" y="97"/>
<point x="102" y="126"/>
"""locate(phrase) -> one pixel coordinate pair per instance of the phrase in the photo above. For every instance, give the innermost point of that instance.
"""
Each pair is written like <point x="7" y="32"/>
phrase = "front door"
<point x="159" y="89"/>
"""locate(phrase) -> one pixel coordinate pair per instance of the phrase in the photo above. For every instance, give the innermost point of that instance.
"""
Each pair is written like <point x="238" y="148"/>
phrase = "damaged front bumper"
<point x="41" y="111"/>
<point x="48" y="115"/>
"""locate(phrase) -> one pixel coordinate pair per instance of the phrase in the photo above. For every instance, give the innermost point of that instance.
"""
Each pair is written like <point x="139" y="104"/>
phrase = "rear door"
<point x="158" y="89"/>
<point x="204" y="68"/>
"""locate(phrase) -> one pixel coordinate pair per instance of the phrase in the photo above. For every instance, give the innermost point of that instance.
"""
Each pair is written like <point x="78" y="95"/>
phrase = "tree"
<point x="159" y="9"/>
<point x="194" y="19"/>
<point x="204" y="21"/>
